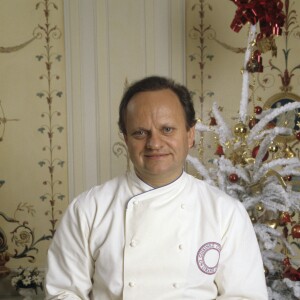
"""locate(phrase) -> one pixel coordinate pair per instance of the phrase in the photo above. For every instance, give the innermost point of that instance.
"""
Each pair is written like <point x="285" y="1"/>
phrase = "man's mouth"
<point x="156" y="155"/>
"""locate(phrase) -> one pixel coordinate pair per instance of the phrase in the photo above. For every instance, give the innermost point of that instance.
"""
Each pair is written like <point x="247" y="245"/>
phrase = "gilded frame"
<point x="289" y="119"/>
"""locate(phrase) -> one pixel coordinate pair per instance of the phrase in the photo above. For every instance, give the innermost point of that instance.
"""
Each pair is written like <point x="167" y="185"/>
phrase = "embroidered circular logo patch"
<point x="208" y="257"/>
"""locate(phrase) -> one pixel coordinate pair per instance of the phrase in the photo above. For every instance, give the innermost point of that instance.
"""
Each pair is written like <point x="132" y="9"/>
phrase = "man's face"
<point x="157" y="136"/>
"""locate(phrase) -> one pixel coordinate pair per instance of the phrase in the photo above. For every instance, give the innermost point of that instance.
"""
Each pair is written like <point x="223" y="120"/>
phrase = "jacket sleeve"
<point x="241" y="273"/>
<point x="70" y="264"/>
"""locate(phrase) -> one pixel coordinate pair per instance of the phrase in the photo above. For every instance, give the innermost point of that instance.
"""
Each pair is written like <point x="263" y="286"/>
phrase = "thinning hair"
<point x="156" y="83"/>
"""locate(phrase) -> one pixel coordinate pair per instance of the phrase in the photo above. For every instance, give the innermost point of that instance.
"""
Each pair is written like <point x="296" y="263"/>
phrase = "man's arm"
<point x="70" y="265"/>
<point x="241" y="272"/>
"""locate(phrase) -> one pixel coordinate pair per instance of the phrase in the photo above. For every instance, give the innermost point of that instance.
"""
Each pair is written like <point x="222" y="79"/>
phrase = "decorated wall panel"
<point x="33" y="133"/>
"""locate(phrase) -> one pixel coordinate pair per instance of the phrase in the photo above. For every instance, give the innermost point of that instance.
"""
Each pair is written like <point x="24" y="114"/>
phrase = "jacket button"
<point x="133" y="243"/>
<point x="131" y="284"/>
<point x="175" y="285"/>
<point x="180" y="247"/>
<point x="182" y="206"/>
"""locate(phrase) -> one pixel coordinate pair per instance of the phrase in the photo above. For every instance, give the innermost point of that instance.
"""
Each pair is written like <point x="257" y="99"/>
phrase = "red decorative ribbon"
<point x="268" y="13"/>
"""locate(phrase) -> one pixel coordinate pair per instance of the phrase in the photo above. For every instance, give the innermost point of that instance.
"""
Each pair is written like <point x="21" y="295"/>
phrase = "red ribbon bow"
<point x="268" y="13"/>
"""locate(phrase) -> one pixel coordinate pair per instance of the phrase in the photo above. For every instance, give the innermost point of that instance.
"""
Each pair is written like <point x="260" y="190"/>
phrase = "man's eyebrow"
<point x="139" y="128"/>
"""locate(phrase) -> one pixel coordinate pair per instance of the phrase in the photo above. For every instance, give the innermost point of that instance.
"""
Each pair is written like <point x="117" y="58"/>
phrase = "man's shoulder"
<point x="103" y="192"/>
<point x="112" y="184"/>
<point x="212" y="192"/>
<point x="212" y="199"/>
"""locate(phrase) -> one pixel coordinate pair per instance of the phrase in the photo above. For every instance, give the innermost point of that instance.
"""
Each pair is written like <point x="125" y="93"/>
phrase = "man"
<point x="155" y="233"/>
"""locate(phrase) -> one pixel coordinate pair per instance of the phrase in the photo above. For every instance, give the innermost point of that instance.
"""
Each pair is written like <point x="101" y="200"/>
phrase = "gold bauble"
<point x="273" y="148"/>
<point x="259" y="207"/>
<point x="266" y="44"/>
<point x="240" y="129"/>
<point x="272" y="223"/>
<point x="288" y="152"/>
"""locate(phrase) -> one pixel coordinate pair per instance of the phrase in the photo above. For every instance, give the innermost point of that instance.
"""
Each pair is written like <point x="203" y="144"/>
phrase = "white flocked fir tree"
<point x="244" y="169"/>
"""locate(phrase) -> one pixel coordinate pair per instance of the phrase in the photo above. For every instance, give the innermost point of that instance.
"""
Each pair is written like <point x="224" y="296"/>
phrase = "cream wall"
<point x="111" y="42"/>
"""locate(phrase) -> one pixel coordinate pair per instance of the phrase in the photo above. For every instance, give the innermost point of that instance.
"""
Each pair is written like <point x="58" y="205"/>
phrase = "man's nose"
<point x="154" y="141"/>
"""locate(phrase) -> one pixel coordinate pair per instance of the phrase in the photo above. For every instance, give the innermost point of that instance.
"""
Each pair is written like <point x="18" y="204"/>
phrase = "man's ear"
<point x="125" y="138"/>
<point x="191" y="136"/>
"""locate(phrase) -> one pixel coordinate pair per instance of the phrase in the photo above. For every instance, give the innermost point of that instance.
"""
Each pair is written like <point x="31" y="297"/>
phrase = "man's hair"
<point x="156" y="83"/>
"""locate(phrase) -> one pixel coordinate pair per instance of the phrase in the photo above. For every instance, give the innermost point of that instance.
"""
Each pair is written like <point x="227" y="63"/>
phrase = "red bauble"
<point x="284" y="218"/>
<point x="255" y="151"/>
<point x="298" y="135"/>
<point x="289" y="271"/>
<point x="271" y="125"/>
<point x="296" y="231"/>
<point x="288" y="178"/>
<point x="255" y="63"/>
<point x="292" y="274"/>
<point x="252" y="123"/>
<point x="257" y="110"/>
<point x="287" y="262"/>
<point x="213" y="121"/>
<point x="219" y="150"/>
<point x="233" y="178"/>
<point x="285" y="231"/>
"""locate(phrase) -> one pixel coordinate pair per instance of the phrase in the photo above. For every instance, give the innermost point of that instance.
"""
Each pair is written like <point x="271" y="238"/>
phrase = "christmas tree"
<point x="249" y="165"/>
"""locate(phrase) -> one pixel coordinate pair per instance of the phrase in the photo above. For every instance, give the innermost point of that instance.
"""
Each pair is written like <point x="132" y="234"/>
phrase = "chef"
<point x="156" y="232"/>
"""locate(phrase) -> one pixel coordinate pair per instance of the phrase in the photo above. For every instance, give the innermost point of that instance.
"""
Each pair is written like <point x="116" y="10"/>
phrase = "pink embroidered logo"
<point x="208" y="257"/>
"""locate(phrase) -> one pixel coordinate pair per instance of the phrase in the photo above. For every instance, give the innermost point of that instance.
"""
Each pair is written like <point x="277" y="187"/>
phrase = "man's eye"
<point x="139" y="133"/>
<point x="168" y="129"/>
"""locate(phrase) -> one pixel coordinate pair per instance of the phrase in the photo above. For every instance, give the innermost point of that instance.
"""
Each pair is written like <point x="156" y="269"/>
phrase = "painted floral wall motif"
<point x="33" y="151"/>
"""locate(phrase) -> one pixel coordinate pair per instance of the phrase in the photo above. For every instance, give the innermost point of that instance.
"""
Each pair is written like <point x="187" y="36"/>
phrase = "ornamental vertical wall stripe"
<point x="34" y="190"/>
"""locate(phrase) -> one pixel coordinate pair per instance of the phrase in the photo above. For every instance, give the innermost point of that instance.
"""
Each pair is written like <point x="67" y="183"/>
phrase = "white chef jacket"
<point x="128" y="240"/>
